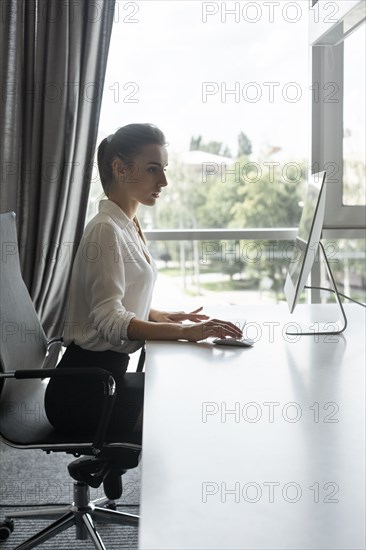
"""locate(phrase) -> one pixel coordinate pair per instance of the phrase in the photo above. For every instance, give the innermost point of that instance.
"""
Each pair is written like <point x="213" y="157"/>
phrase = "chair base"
<point x="80" y="513"/>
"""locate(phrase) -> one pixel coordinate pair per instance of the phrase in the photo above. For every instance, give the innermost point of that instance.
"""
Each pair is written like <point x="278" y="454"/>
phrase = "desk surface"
<point x="256" y="448"/>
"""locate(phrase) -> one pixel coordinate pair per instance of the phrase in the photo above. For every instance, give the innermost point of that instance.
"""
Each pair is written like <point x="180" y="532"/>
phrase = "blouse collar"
<point x="115" y="212"/>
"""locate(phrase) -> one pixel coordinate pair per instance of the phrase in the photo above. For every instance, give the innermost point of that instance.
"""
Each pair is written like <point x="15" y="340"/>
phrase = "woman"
<point x="109" y="314"/>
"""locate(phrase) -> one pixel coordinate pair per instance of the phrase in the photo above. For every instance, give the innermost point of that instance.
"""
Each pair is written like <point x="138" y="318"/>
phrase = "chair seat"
<point x="23" y="420"/>
<point x="53" y="440"/>
<point x="86" y="439"/>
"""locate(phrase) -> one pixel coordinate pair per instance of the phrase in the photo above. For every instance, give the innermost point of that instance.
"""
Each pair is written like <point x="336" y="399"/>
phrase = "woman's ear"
<point x="118" y="169"/>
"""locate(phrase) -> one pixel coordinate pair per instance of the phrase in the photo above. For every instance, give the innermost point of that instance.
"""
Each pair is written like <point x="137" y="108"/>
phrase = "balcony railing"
<point x="279" y="234"/>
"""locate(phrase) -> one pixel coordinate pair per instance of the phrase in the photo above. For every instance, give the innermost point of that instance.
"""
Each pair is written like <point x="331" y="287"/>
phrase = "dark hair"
<point x="126" y="143"/>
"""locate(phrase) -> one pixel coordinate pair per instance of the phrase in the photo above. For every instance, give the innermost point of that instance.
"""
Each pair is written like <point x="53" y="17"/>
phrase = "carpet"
<point x="33" y="478"/>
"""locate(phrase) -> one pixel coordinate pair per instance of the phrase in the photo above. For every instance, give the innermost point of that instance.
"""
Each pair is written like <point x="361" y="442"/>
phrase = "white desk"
<point x="256" y="478"/>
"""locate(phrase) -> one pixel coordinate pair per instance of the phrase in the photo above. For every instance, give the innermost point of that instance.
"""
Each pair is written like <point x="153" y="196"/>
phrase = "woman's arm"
<point x="155" y="315"/>
<point x="176" y="316"/>
<point x="104" y="284"/>
<point x="147" y="330"/>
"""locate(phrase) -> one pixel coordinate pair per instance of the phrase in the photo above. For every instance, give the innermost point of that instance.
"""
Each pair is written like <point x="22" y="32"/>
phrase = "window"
<point x="227" y="82"/>
<point x="338" y="119"/>
<point x="354" y="145"/>
<point x="347" y="262"/>
<point x="337" y="39"/>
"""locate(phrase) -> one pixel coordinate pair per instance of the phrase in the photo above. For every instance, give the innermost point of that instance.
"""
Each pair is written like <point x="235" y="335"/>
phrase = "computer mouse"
<point x="241" y="342"/>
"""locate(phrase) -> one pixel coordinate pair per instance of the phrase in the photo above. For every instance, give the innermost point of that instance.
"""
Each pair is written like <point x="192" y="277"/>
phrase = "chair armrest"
<point x="52" y="341"/>
<point x="109" y="392"/>
<point x="49" y="356"/>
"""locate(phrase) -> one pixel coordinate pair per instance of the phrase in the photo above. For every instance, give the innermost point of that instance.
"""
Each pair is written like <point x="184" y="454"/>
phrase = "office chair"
<point x="23" y="374"/>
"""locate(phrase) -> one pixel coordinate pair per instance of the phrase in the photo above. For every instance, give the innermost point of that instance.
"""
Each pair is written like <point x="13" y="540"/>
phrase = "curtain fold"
<point x="53" y="63"/>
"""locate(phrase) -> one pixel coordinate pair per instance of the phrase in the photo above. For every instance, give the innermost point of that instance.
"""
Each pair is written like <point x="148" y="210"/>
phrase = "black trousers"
<point x="73" y="404"/>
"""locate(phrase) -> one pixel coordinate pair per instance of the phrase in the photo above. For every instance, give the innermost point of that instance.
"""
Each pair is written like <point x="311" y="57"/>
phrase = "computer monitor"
<point x="306" y="247"/>
<point x="307" y="239"/>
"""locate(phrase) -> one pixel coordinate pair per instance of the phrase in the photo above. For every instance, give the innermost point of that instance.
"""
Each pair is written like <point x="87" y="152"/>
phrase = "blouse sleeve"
<point x="105" y="284"/>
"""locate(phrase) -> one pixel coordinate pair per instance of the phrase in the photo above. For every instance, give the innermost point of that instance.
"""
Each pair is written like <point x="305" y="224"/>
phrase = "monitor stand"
<point x="312" y="328"/>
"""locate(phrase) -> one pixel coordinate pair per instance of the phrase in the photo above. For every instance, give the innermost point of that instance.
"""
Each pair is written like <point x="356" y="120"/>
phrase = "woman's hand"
<point x="171" y="328"/>
<point x="177" y="316"/>
<point x="213" y="328"/>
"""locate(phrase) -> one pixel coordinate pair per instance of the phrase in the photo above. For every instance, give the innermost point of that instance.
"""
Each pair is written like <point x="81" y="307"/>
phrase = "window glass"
<point x="199" y="273"/>
<point x="227" y="82"/>
<point x="226" y="271"/>
<point x="346" y="258"/>
<point x="354" y="122"/>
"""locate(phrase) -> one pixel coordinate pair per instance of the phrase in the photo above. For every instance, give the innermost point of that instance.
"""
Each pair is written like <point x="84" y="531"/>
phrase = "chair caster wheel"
<point x="6" y="528"/>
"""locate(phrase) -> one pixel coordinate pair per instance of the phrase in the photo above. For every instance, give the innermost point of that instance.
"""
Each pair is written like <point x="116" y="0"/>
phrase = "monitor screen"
<point x="307" y="240"/>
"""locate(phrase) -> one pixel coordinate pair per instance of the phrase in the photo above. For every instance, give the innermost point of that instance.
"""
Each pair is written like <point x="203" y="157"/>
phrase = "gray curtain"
<point x="53" y="63"/>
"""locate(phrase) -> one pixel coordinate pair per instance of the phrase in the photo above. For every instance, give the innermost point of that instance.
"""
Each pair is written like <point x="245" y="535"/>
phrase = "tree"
<point x="240" y="194"/>
<point x="269" y="199"/>
<point x="244" y="145"/>
<point x="166" y="257"/>
<point x="195" y="143"/>
<point x="214" y="147"/>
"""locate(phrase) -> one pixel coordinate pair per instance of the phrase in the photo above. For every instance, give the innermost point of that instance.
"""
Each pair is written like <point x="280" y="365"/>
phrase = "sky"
<point x="183" y="59"/>
<point x="174" y="62"/>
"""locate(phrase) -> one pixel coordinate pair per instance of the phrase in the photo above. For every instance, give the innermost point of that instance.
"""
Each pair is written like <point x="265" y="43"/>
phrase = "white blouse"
<point x="111" y="283"/>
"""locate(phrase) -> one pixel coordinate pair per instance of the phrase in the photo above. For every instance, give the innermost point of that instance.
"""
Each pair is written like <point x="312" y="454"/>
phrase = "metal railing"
<point x="258" y="234"/>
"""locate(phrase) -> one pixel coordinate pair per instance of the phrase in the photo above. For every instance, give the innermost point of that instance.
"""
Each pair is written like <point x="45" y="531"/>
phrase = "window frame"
<point x="327" y="65"/>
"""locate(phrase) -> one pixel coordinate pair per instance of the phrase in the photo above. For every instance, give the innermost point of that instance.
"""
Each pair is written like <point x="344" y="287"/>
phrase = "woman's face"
<point x="143" y="179"/>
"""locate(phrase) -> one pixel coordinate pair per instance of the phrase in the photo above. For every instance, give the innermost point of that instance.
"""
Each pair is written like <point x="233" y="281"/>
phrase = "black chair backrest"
<point x="23" y="346"/>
